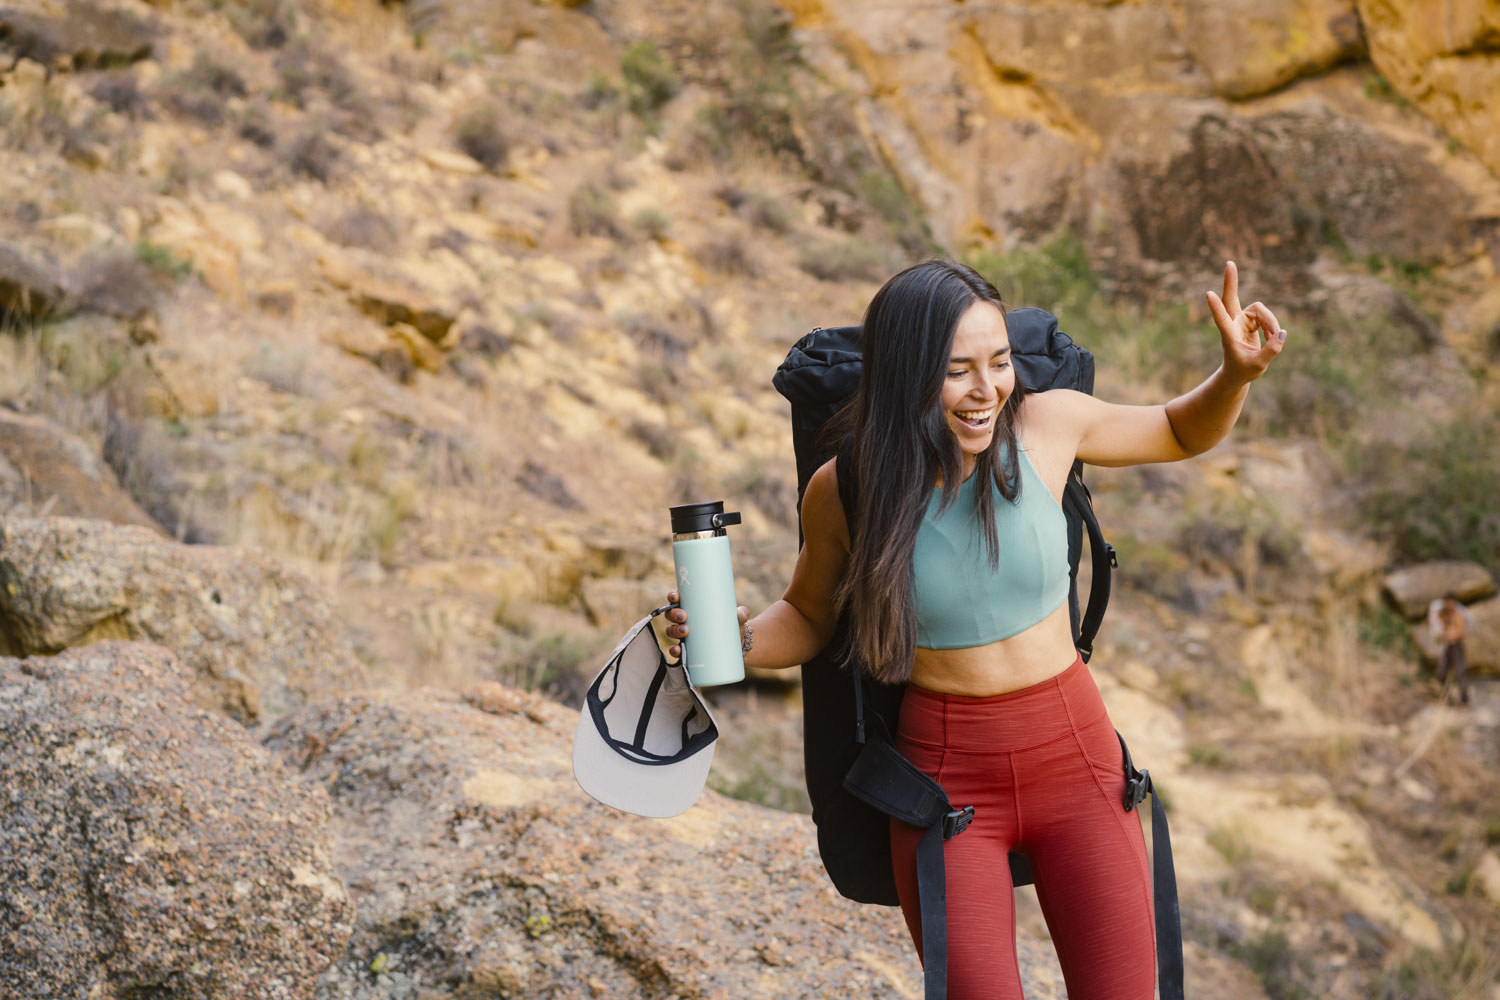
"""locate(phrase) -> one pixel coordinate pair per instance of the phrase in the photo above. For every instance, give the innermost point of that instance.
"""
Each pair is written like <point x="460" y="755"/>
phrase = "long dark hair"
<point x="900" y="441"/>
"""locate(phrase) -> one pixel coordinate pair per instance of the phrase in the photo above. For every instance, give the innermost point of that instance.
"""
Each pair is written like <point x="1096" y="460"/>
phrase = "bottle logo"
<point x="682" y="576"/>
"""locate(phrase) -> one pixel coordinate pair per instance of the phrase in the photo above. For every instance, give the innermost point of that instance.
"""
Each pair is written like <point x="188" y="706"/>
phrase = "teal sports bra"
<point x="961" y="600"/>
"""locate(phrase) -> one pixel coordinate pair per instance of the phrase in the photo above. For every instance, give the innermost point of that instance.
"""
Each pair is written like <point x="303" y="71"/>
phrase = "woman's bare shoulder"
<point x="822" y="507"/>
<point x="1052" y="419"/>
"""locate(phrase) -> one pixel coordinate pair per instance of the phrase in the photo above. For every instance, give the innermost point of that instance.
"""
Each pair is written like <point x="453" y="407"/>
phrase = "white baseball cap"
<point x="645" y="739"/>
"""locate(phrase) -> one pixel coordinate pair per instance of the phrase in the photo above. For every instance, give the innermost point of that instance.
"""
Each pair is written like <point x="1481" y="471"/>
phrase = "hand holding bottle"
<point x="677" y="627"/>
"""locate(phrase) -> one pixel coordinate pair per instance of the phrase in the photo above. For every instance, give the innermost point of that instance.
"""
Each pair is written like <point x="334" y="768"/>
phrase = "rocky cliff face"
<point x="1175" y="133"/>
<point x="149" y="848"/>
<point x="1445" y="57"/>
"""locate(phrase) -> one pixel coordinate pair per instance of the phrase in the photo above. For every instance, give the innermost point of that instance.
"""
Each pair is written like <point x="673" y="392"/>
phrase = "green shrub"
<point x="1378" y="88"/>
<point x="1206" y="754"/>
<point x="727" y="255"/>
<point x="773" y="215"/>
<point x="592" y="212"/>
<point x="1435" y="498"/>
<point x="313" y="155"/>
<point x="761" y="787"/>
<point x="1463" y="971"/>
<point x="882" y="190"/>
<point x="844" y="260"/>
<point x="264" y="24"/>
<point x="1056" y="276"/>
<point x="650" y="78"/>
<point x="1153" y="567"/>
<point x="161" y="260"/>
<point x="545" y="663"/>
<point x="1278" y="967"/>
<point x="1230" y="844"/>
<point x="1381" y="628"/>
<point x="652" y="221"/>
<point x="200" y="92"/>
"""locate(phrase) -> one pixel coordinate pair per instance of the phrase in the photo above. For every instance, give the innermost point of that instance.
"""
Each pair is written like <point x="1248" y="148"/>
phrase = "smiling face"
<point x="979" y="379"/>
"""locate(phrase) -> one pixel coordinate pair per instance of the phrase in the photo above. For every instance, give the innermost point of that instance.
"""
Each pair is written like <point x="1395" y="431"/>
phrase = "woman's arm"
<point x="797" y="627"/>
<point x="1114" y="435"/>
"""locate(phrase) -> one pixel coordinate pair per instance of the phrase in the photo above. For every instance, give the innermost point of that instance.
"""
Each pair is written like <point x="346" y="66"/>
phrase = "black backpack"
<point x="855" y="777"/>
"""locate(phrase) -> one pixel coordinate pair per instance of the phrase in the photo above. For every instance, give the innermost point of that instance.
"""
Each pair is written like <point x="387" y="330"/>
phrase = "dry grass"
<point x="480" y="134"/>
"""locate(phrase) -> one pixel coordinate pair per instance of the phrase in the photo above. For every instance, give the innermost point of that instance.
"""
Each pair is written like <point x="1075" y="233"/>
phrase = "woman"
<point x="956" y="574"/>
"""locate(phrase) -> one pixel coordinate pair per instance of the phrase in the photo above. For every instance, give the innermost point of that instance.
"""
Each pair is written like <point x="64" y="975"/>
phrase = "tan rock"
<point x="238" y="229"/>
<point x="1414" y="588"/>
<point x="428" y="790"/>
<point x="1346" y="561"/>
<point x="155" y="843"/>
<point x="1441" y="56"/>
<point x="186" y="388"/>
<point x="78" y="230"/>
<point x="616" y="604"/>
<point x="506" y="580"/>
<point x="1249" y="47"/>
<point x="451" y="161"/>
<point x="516" y="225"/>
<point x="1487" y="875"/>
<point x="44" y="468"/>
<point x="392" y="304"/>
<point x="337" y="269"/>
<point x="81" y="37"/>
<point x="257" y="637"/>
<point x="358" y="339"/>
<point x="277" y="297"/>
<point x="232" y="185"/>
<point x="423" y="353"/>
<point x="26" y="288"/>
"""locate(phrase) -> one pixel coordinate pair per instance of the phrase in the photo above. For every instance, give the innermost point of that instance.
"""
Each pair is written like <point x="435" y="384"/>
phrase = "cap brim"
<point x="657" y="790"/>
<point x="644" y="769"/>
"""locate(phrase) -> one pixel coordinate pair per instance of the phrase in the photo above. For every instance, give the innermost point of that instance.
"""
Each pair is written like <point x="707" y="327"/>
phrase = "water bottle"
<point x="705" y="588"/>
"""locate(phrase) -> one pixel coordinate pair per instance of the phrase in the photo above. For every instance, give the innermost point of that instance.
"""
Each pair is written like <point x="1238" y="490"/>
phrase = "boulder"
<point x="612" y="603"/>
<point x="44" y="468"/>
<point x="27" y="290"/>
<point x="1343" y="170"/>
<point x="1207" y="183"/>
<point x="1350" y="300"/>
<point x="258" y="638"/>
<point x="391" y="304"/>
<point x="1249" y="47"/>
<point x="1487" y="875"/>
<point x="86" y="37"/>
<point x="149" y="848"/>
<point x="1413" y="589"/>
<point x="479" y="868"/>
<point x="1444" y="58"/>
<point x="1481" y="645"/>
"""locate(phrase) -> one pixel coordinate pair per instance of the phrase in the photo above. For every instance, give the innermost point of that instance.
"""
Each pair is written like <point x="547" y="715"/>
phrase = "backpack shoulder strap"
<point x="1076" y="500"/>
<point x="848" y="479"/>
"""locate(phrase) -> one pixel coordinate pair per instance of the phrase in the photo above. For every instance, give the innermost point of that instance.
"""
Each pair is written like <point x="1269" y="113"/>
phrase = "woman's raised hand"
<point x="1246" y="358"/>
<point x="677" y="624"/>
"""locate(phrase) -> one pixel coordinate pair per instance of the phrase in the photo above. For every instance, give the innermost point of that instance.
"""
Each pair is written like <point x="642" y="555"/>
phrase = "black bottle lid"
<point x="708" y="516"/>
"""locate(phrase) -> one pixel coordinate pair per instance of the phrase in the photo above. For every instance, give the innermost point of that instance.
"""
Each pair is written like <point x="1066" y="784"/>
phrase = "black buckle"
<point x="1137" y="788"/>
<point x="957" y="822"/>
<point x="1114" y="563"/>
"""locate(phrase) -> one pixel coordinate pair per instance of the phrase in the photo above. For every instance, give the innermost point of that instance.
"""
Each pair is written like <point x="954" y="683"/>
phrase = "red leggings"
<point x="1043" y="769"/>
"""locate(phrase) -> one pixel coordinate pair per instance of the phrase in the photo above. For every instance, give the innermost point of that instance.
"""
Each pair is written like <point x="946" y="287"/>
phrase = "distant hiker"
<point x="953" y="566"/>
<point x="1448" y="623"/>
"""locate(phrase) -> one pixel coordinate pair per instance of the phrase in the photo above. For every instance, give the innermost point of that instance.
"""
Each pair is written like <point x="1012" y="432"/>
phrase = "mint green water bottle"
<point x="705" y="588"/>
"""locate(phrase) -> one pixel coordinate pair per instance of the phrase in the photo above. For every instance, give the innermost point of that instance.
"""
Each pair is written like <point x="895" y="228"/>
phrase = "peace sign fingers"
<point x="1231" y="288"/>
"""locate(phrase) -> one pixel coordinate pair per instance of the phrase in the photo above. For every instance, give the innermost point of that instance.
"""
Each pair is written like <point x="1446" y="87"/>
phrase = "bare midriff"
<point x="1030" y="657"/>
